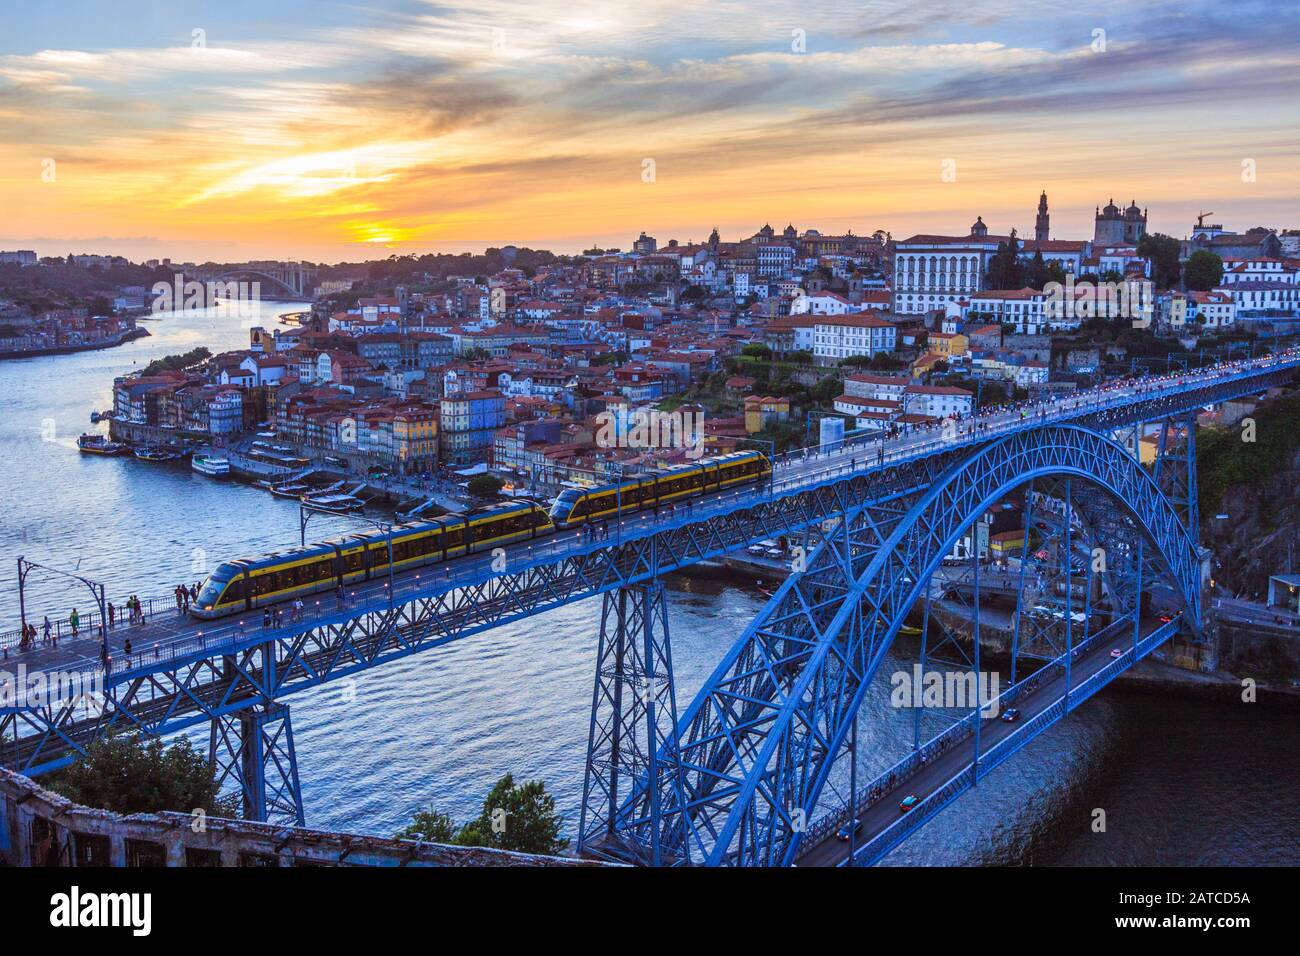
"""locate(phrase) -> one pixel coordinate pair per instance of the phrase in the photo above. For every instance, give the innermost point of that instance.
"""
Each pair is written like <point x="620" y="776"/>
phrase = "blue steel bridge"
<point x="742" y="774"/>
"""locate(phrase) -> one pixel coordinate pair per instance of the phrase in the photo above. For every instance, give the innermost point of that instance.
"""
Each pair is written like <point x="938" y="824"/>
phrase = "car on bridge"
<point x="1116" y="652"/>
<point x="844" y="832"/>
<point x="909" y="802"/>
<point x="1010" y="715"/>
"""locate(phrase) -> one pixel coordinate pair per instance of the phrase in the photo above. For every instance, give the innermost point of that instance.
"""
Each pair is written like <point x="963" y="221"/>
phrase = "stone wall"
<point x="41" y="828"/>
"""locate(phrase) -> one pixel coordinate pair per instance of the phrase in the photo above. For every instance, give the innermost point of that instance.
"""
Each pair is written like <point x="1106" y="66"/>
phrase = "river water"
<point x="1181" y="780"/>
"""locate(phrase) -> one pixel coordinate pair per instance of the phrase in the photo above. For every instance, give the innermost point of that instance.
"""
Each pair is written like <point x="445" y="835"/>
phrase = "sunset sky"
<point x="345" y="131"/>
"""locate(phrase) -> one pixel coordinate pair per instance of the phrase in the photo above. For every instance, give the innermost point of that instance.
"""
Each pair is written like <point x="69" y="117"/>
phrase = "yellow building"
<point x="948" y="344"/>
<point x="760" y="411"/>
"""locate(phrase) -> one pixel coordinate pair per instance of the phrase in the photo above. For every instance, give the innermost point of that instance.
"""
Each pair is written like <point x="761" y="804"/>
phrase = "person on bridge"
<point x="73" y="620"/>
<point x="112" y="613"/>
<point x="126" y="650"/>
<point x="48" y="628"/>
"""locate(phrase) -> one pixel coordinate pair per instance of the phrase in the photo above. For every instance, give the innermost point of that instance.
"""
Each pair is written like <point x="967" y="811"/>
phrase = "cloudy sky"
<point x="330" y="131"/>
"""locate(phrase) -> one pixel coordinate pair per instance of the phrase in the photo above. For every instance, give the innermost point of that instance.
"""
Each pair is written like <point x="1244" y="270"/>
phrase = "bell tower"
<point x="1041" y="228"/>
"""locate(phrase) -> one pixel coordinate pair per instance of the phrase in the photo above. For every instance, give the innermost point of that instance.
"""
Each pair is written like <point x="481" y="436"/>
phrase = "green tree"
<point x="1163" y="251"/>
<point x="431" y="825"/>
<point x="175" y="363"/>
<point x="485" y="486"/>
<point x="756" y="350"/>
<point x="1005" y="269"/>
<point x="1203" y="271"/>
<point x="125" y="773"/>
<point x="519" y="818"/>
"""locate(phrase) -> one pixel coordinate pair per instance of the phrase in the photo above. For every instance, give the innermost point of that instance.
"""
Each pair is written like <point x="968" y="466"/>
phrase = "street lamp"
<point x="96" y="589"/>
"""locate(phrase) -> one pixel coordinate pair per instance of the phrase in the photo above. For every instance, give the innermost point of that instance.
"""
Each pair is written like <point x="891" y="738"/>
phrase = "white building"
<point x="890" y="387"/>
<point x="1263" y="269"/>
<point x="839" y="337"/>
<point x="934" y="272"/>
<point x="1258" y="297"/>
<point x="1023" y="308"/>
<point x="1217" y="310"/>
<point x="938" y="401"/>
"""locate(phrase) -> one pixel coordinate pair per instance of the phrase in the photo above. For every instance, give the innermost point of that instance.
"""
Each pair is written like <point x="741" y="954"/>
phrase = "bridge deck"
<point x="169" y="636"/>
<point x="1041" y="700"/>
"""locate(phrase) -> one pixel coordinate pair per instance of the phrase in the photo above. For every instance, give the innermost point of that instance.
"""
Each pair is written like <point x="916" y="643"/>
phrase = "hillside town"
<point x="770" y="341"/>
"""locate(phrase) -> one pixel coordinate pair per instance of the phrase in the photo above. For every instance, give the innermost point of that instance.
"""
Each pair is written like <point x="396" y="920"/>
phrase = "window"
<point x="145" y="853"/>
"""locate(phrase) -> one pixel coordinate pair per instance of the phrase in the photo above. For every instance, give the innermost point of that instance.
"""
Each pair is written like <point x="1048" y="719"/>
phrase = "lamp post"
<point x="96" y="589"/>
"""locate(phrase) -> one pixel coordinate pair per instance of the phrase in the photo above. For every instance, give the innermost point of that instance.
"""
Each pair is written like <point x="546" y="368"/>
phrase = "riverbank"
<point x="128" y="336"/>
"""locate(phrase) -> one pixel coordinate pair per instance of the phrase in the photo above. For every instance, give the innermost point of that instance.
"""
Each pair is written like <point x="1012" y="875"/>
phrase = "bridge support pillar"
<point x="1175" y="469"/>
<point x="254" y="748"/>
<point x="633" y="717"/>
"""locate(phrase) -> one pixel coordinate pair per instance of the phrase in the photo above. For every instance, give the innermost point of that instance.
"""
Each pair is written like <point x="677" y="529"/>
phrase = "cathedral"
<point x="1116" y="227"/>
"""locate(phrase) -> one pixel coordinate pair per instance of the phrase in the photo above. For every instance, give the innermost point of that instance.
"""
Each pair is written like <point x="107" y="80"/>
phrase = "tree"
<point x="519" y="818"/>
<point x="485" y="486"/>
<point x="756" y="350"/>
<point x="1202" y="271"/>
<point x="1163" y="251"/>
<point x="431" y="825"/>
<point x="125" y="774"/>
<point x="173" y="363"/>
<point x="1005" y="269"/>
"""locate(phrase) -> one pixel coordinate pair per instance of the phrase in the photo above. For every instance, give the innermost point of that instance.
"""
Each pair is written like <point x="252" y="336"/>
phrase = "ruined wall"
<point x="41" y="828"/>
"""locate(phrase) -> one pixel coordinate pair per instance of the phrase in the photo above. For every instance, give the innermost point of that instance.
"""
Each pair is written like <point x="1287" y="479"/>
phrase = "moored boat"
<point x="99" y="445"/>
<point x="211" y="465"/>
<point x="290" y="489"/>
<point x="152" y="453"/>
<point x="338" y="503"/>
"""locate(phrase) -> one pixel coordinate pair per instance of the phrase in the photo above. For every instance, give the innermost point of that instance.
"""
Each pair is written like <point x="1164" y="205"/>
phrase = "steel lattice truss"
<point x="213" y="681"/>
<point x="220" y="681"/>
<point x="755" y="747"/>
<point x="633" y="714"/>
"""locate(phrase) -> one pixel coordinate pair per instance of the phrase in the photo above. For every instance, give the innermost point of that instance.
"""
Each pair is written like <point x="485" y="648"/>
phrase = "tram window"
<point x="234" y="591"/>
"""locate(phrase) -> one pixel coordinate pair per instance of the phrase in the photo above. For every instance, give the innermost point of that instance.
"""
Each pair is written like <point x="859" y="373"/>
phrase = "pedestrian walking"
<point x="126" y="650"/>
<point x="73" y="620"/>
<point x="111" y="614"/>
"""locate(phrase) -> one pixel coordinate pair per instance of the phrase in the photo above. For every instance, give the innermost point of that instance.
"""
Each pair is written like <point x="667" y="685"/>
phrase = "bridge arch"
<point x="253" y="273"/>
<point x="753" y="751"/>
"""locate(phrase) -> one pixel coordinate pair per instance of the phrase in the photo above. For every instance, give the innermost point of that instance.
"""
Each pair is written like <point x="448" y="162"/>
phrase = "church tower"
<point x="1041" y="228"/>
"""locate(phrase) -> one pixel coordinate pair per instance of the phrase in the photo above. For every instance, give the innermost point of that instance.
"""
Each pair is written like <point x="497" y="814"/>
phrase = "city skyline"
<point x="420" y="127"/>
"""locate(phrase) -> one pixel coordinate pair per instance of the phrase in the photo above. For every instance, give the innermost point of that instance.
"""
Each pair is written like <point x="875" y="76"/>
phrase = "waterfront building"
<point x="468" y="421"/>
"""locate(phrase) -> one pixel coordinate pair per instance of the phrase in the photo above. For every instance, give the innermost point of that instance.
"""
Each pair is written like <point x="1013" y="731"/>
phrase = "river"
<point x="1181" y="780"/>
